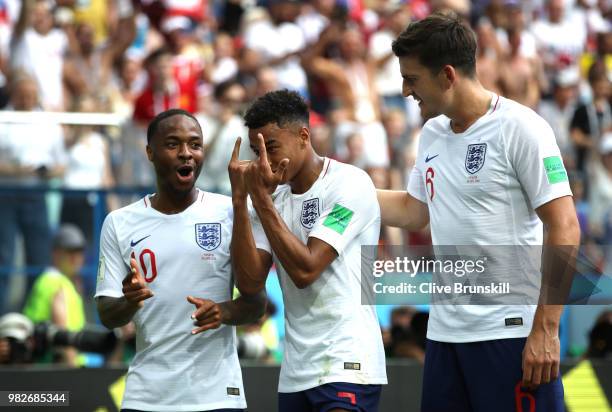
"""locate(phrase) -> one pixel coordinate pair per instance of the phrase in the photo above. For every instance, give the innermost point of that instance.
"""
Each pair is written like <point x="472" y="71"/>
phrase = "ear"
<point x="304" y="135"/>
<point x="149" y="153"/>
<point x="448" y="75"/>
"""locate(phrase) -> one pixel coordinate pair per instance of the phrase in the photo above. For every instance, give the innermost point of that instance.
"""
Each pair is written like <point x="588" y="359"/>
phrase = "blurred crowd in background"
<point x="213" y="57"/>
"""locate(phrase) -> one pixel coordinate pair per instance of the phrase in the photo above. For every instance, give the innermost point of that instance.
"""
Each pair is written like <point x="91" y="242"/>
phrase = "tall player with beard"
<point x="488" y="172"/>
<point x="165" y="264"/>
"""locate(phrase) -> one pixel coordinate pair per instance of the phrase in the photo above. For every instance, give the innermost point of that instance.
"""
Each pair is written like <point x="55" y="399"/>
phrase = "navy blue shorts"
<point x="324" y="398"/>
<point x="482" y="377"/>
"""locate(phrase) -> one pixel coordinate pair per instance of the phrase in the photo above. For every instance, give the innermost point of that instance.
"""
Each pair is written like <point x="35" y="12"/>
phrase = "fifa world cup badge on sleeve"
<point x="101" y="269"/>
<point x="339" y="218"/>
<point x="555" y="171"/>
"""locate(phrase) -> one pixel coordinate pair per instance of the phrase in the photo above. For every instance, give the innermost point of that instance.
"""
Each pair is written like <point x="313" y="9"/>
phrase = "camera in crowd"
<point x="28" y="342"/>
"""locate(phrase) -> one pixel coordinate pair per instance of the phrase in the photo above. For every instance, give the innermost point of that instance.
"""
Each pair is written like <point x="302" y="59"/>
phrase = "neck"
<point x="308" y="174"/>
<point x="472" y="102"/>
<point x="170" y="202"/>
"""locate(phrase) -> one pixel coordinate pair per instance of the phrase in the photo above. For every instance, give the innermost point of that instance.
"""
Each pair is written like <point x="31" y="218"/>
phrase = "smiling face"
<point x="427" y="89"/>
<point x="176" y="151"/>
<point x="289" y="142"/>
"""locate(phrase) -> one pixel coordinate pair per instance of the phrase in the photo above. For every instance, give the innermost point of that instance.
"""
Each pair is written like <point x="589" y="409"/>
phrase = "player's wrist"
<point x="239" y="200"/>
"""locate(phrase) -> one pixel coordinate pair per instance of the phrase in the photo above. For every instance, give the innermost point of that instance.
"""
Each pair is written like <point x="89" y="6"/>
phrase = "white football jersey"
<point x="329" y="335"/>
<point x="183" y="254"/>
<point x="482" y="187"/>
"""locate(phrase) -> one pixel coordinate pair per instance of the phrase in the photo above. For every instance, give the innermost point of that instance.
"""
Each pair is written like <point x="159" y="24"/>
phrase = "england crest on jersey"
<point x="208" y="235"/>
<point x="475" y="157"/>
<point x="310" y="212"/>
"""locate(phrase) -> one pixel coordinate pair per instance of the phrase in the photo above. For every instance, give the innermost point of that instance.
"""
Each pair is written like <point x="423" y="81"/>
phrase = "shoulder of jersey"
<point x="515" y="111"/>
<point x="344" y="173"/>
<point x="435" y="125"/>
<point x="280" y="189"/>
<point x="216" y="198"/>
<point x="141" y="204"/>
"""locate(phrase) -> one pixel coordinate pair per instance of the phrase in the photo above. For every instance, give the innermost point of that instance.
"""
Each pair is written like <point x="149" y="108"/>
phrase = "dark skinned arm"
<point x="250" y="265"/>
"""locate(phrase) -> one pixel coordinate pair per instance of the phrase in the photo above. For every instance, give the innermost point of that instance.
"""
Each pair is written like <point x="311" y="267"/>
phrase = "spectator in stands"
<point x="225" y="66"/>
<point x="266" y="81"/>
<point x="519" y="75"/>
<point x="387" y="76"/>
<point x="94" y="63"/>
<point x="603" y="51"/>
<point x="56" y="295"/>
<point x="30" y="155"/>
<point x="127" y="84"/>
<point x="39" y="49"/>
<point x="350" y="78"/>
<point x="591" y="119"/>
<point x="600" y="197"/>
<point x="487" y="60"/>
<point x="559" y="41"/>
<point x="88" y="167"/>
<point x="189" y="63"/>
<point x="220" y="135"/>
<point x="163" y="91"/>
<point x="278" y="40"/>
<point x="558" y="112"/>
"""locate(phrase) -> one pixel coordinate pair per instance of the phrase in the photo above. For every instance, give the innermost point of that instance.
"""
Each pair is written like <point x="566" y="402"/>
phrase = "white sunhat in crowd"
<point x="606" y="143"/>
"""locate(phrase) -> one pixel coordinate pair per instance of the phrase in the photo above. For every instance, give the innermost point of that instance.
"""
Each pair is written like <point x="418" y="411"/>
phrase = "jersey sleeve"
<point x="416" y="185"/>
<point x="536" y="158"/>
<point x="111" y="267"/>
<point x="347" y="211"/>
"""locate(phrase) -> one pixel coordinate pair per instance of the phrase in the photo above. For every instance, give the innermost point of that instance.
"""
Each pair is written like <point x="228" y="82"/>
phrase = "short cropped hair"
<point x="438" y="40"/>
<point x="154" y="125"/>
<point x="282" y="107"/>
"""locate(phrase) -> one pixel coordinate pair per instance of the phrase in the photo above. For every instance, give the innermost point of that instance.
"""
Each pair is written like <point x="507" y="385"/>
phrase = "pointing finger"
<point x="236" y="151"/>
<point x="261" y="147"/>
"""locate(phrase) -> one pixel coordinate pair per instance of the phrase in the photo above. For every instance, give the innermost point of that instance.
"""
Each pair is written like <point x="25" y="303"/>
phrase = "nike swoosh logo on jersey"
<point x="132" y="243"/>
<point x="427" y="158"/>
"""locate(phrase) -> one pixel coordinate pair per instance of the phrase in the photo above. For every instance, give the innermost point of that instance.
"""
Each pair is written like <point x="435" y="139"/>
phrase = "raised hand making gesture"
<point x="135" y="288"/>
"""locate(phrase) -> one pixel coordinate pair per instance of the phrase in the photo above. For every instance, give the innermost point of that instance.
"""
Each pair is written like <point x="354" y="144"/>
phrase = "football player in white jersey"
<point x="488" y="172"/>
<point x="312" y="227"/>
<point x="165" y="264"/>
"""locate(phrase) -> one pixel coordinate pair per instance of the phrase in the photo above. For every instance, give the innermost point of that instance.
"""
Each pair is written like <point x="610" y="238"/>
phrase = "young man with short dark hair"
<point x="488" y="172"/>
<point x="312" y="226"/>
<point x="174" y="245"/>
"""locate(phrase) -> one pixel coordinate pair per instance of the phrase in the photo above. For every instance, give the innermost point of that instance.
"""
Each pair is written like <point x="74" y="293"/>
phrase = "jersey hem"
<point x="545" y="199"/>
<point x="184" y="408"/>
<point x="479" y="337"/>
<point x="332" y="379"/>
